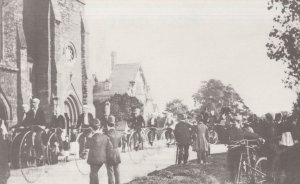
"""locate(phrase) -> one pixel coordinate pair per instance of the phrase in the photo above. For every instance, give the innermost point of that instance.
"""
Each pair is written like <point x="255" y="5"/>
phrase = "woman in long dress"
<point x="201" y="144"/>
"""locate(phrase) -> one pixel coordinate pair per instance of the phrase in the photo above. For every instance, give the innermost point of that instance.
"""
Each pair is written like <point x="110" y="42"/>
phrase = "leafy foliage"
<point x="284" y="39"/>
<point x="122" y="106"/>
<point x="176" y="107"/>
<point x="213" y="95"/>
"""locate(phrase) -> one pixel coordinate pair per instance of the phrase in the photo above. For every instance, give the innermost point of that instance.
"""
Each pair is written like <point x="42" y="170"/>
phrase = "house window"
<point x="107" y="85"/>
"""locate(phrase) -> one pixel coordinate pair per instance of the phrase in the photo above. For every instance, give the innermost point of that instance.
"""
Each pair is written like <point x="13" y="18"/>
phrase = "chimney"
<point x="113" y="56"/>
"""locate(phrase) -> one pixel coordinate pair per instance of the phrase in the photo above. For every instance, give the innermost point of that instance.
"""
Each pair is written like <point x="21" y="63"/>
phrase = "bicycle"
<point x="251" y="167"/>
<point x="81" y="153"/>
<point x="151" y="135"/>
<point x="168" y="140"/>
<point x="135" y="141"/>
<point x="31" y="158"/>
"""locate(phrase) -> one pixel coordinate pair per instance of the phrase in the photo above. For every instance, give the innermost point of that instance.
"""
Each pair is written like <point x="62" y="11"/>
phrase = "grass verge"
<point x="215" y="172"/>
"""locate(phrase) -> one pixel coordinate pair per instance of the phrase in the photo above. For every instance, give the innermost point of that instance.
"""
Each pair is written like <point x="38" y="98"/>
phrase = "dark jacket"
<point x="104" y="122"/>
<point x="58" y="122"/>
<point x="182" y="133"/>
<point x="81" y="119"/>
<point x="137" y="122"/>
<point x="37" y="119"/>
<point x="115" y="139"/>
<point x="98" y="144"/>
<point x="238" y="134"/>
<point x="4" y="152"/>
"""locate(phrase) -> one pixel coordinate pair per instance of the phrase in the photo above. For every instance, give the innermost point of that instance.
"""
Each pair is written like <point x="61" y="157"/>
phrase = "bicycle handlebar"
<point x="242" y="142"/>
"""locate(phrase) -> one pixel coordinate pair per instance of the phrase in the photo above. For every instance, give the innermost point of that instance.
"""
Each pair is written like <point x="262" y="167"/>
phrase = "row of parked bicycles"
<point x="34" y="148"/>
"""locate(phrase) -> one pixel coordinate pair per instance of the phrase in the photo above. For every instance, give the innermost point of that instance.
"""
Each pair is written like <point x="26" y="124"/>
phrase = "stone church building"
<point x="43" y="54"/>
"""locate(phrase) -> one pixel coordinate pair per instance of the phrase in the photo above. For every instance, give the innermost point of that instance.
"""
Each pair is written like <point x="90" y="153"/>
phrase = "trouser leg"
<point x="4" y="173"/>
<point x="180" y="153"/>
<point x="110" y="174"/>
<point x="203" y="156"/>
<point x="198" y="157"/>
<point x="186" y="153"/>
<point x="94" y="174"/>
<point x="117" y="174"/>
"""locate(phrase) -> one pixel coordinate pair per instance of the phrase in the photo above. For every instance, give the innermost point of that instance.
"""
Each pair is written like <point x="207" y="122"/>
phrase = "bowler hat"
<point x="95" y="124"/>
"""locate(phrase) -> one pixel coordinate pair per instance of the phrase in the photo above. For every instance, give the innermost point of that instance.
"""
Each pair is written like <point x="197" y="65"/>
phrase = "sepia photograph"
<point x="149" y="91"/>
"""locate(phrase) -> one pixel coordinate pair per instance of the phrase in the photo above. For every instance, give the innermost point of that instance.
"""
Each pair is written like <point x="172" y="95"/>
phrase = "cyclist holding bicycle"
<point x="137" y="122"/>
<point x="236" y="134"/>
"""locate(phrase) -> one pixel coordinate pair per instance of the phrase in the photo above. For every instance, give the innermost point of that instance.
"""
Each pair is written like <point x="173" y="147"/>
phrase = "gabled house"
<point x="125" y="78"/>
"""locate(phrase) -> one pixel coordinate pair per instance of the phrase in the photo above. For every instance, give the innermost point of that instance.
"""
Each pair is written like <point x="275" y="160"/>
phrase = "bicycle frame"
<point x="246" y="164"/>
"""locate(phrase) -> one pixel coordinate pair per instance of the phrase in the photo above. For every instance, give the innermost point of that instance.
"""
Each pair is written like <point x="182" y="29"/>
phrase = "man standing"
<point x="105" y="120"/>
<point x="182" y="134"/>
<point x="115" y="159"/>
<point x="236" y="134"/>
<point x="99" y="145"/>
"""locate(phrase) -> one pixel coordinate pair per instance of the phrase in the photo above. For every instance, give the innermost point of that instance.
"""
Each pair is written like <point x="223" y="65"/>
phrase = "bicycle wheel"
<point x="261" y="170"/>
<point x="213" y="137"/>
<point x="81" y="155"/>
<point x="135" y="156"/>
<point x="52" y="149"/>
<point x="155" y="147"/>
<point x="31" y="166"/>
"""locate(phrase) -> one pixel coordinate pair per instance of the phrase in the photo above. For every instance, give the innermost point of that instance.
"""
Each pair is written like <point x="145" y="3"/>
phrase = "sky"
<point x="181" y="43"/>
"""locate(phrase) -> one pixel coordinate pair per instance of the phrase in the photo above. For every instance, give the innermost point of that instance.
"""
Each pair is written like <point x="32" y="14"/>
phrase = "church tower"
<point x="57" y="42"/>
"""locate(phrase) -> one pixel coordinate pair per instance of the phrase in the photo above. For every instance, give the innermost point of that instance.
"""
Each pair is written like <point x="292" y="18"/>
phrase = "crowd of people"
<point x="279" y="134"/>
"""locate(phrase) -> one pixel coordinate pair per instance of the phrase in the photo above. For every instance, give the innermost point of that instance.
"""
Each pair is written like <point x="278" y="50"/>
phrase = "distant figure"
<point x="169" y="126"/>
<point x="85" y="118"/>
<point x="4" y="154"/>
<point x="112" y="165"/>
<point x="200" y="143"/>
<point x="152" y="125"/>
<point x="99" y="145"/>
<point x="105" y="120"/>
<point x="137" y="122"/>
<point x="182" y="134"/>
<point x="58" y="120"/>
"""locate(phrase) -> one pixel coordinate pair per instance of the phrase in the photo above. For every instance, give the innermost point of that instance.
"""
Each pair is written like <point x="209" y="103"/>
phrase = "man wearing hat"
<point x="182" y="134"/>
<point x="99" y="146"/>
<point x="114" y="159"/>
<point x="106" y="119"/>
<point x="36" y="117"/>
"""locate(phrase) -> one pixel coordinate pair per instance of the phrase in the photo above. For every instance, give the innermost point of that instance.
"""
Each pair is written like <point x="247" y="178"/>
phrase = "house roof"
<point x="122" y="74"/>
<point x="120" y="77"/>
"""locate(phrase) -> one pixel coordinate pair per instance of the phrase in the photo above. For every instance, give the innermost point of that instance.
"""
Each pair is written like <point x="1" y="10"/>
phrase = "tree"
<point x="121" y="106"/>
<point x="176" y="107"/>
<point x="213" y="95"/>
<point x="284" y="38"/>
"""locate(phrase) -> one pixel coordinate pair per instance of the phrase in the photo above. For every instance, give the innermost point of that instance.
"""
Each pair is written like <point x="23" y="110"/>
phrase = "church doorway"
<point x="72" y="110"/>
